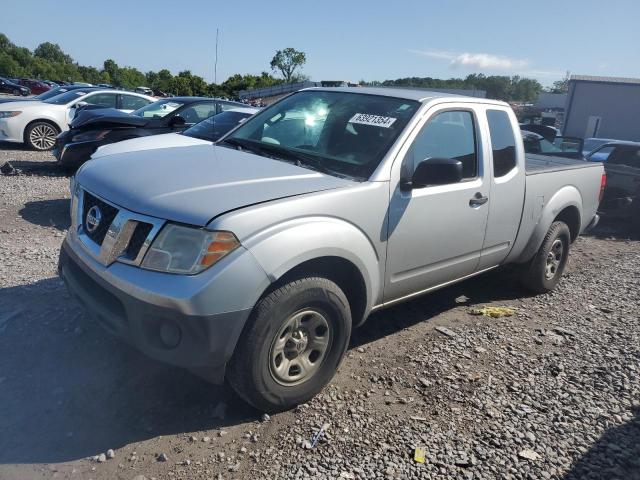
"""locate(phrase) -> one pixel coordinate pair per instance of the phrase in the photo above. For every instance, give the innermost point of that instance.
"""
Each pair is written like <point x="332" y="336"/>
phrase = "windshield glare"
<point x="67" y="97"/>
<point x="336" y="132"/>
<point x="216" y="126"/>
<point x="158" y="109"/>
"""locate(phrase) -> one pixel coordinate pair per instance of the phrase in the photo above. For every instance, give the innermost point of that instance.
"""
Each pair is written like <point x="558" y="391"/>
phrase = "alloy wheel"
<point x="43" y="136"/>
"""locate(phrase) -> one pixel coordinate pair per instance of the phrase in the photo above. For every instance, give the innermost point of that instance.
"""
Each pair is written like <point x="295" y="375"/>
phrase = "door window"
<point x="198" y="112"/>
<point x="503" y="142"/>
<point x="102" y="99"/>
<point x="131" y="102"/>
<point x="449" y="134"/>
<point x="629" y="157"/>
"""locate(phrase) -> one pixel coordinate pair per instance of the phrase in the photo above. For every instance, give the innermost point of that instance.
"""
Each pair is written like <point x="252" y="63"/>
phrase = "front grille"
<point x="137" y="239"/>
<point x="108" y="214"/>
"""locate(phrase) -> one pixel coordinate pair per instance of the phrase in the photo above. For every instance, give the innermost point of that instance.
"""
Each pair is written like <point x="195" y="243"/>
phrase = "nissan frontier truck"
<point x="252" y="259"/>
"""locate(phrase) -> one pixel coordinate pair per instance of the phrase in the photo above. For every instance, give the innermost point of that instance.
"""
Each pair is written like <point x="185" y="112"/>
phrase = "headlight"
<point x="90" y="135"/>
<point x="187" y="250"/>
<point x="9" y="114"/>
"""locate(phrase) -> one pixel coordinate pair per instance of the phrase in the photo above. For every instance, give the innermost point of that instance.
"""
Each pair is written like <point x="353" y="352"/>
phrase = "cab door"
<point x="507" y="177"/>
<point x="435" y="233"/>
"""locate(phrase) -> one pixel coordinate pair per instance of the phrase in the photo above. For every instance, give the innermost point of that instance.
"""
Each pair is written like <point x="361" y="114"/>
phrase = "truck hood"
<point x="151" y="142"/>
<point x="193" y="184"/>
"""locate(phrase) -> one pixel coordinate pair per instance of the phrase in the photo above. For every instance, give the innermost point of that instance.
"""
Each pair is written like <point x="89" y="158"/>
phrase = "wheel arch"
<point x="326" y="247"/>
<point x="339" y="270"/>
<point x="566" y="206"/>
<point x="40" y="120"/>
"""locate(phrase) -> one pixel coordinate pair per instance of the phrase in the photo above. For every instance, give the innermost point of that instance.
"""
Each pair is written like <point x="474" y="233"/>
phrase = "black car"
<point x="46" y="95"/>
<point x="622" y="192"/>
<point x="567" y="147"/>
<point x="93" y="128"/>
<point x="7" y="86"/>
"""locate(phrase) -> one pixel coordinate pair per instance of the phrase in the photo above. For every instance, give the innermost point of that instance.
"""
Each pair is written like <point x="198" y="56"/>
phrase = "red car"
<point x="37" y="87"/>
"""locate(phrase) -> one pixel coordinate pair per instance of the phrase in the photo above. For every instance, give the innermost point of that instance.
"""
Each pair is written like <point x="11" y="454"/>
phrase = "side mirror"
<point x="80" y="105"/>
<point x="435" y="171"/>
<point x="177" y="121"/>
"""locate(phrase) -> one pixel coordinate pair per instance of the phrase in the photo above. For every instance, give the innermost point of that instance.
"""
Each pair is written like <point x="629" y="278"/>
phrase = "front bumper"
<point x="179" y="331"/>
<point x="72" y="154"/>
<point x="11" y="129"/>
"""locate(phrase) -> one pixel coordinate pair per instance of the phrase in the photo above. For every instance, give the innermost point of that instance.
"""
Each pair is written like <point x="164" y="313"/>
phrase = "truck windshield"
<point x="339" y="133"/>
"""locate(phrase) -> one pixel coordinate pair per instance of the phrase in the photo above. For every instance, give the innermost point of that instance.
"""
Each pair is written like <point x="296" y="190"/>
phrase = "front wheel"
<point x="292" y="345"/>
<point x="545" y="269"/>
<point x="41" y="136"/>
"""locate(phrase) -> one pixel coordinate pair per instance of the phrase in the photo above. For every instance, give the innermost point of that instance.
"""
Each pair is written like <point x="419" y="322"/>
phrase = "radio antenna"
<point x="215" y="64"/>
<point x="215" y="82"/>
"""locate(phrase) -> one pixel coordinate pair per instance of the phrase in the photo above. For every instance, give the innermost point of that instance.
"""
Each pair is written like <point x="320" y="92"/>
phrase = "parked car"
<point x="36" y="86"/>
<point x="567" y="147"/>
<point x="622" y="165"/>
<point x="546" y="131"/>
<point x="161" y="94"/>
<point x="37" y="124"/>
<point x="145" y="90"/>
<point x="254" y="259"/>
<point x="93" y="128"/>
<point x="590" y="144"/>
<point x="204" y="133"/>
<point x="7" y="86"/>
<point x="44" y="96"/>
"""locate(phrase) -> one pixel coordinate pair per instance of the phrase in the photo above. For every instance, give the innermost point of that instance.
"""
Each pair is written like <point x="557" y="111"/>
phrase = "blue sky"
<point x="346" y="40"/>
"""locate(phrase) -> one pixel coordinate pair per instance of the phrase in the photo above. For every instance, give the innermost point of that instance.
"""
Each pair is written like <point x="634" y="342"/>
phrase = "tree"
<point x="52" y="52"/>
<point x="561" y="86"/>
<point x="111" y="68"/>
<point x="287" y="61"/>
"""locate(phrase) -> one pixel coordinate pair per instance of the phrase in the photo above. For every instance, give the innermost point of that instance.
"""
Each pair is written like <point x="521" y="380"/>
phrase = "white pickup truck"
<point x="252" y="259"/>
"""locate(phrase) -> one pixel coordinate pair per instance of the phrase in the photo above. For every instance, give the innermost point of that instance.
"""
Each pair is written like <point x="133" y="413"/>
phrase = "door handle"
<point x="478" y="199"/>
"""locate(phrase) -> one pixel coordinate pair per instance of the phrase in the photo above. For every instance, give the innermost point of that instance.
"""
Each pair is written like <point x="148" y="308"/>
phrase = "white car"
<point x="206" y="131"/>
<point x="38" y="123"/>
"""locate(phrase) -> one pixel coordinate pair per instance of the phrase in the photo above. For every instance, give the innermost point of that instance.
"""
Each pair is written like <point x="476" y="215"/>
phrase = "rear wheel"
<point x="292" y="346"/>
<point x="545" y="269"/>
<point x="41" y="136"/>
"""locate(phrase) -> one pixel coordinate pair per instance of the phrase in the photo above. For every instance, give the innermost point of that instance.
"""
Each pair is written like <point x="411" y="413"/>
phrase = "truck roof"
<point x="417" y="94"/>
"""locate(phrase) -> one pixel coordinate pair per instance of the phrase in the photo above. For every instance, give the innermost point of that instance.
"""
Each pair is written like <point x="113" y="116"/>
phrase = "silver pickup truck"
<point x="253" y="259"/>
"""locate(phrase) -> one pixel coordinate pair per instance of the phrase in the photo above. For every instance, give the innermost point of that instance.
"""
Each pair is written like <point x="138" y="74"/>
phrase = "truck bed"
<point x="535" y="164"/>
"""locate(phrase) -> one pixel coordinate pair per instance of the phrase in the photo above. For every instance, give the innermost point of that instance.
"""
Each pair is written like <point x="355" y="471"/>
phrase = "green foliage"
<point x="287" y="61"/>
<point x="48" y="61"/>
<point x="52" y="52"/>
<point x="561" y="86"/>
<point x="499" y="87"/>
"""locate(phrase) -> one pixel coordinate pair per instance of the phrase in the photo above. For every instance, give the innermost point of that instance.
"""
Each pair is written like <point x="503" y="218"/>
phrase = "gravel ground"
<point x="551" y="392"/>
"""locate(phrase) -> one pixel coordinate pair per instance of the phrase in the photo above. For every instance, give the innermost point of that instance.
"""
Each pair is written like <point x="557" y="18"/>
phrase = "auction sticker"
<point x="374" y="120"/>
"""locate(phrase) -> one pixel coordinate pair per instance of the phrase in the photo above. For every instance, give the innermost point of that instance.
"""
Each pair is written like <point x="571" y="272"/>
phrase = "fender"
<point x="567" y="196"/>
<point x="47" y="118"/>
<point x="282" y="247"/>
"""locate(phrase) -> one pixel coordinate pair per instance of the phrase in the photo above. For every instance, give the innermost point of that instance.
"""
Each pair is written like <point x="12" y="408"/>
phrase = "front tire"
<point x="292" y="346"/>
<point x="545" y="269"/>
<point x="41" y="136"/>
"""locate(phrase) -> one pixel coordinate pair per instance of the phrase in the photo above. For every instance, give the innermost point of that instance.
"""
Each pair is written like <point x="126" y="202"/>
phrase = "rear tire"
<point x="545" y="269"/>
<point x="292" y="346"/>
<point x="41" y="136"/>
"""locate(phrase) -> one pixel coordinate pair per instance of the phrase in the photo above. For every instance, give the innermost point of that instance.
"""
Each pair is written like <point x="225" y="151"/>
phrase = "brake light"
<point x="603" y="184"/>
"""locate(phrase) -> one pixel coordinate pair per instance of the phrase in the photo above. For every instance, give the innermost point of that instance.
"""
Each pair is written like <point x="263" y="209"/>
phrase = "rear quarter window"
<point x="503" y="142"/>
